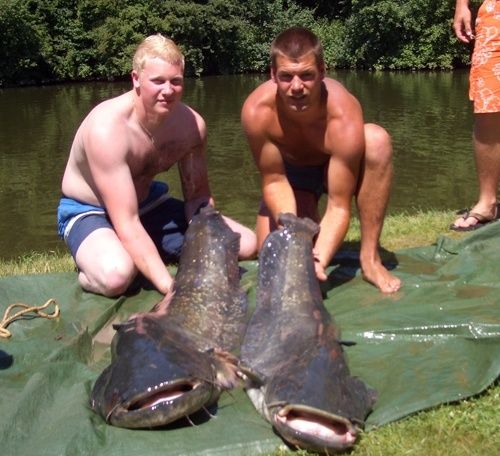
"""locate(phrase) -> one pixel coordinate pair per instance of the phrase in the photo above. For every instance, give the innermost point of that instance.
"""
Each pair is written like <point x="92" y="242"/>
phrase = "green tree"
<point x="327" y="9"/>
<point x="117" y="34"/>
<point x="396" y="34"/>
<point x="20" y="44"/>
<point x="61" y="40"/>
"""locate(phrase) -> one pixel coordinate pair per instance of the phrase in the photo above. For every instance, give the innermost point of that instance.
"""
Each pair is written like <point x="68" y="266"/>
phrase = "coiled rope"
<point x="37" y="310"/>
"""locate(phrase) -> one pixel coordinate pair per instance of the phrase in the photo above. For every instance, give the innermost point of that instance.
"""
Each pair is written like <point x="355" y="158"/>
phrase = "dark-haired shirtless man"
<point x="307" y="135"/>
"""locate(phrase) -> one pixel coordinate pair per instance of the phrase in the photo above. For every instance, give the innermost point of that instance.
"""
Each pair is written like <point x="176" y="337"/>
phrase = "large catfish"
<point x="300" y="382"/>
<point x="165" y="366"/>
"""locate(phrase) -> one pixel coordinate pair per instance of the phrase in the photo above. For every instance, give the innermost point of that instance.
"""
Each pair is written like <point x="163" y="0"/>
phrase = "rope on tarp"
<point x="37" y="310"/>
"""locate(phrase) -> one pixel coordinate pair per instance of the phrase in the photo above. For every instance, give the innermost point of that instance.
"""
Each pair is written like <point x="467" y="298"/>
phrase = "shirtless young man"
<point x="308" y="137"/>
<point x="114" y="217"/>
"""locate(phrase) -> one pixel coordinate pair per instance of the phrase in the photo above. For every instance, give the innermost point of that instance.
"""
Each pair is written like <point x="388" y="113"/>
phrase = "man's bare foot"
<point x="377" y="274"/>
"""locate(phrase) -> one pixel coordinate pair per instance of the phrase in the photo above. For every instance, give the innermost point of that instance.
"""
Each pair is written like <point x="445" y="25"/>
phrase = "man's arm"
<point x="277" y="193"/>
<point x="462" y="22"/>
<point x="193" y="172"/>
<point x="107" y="157"/>
<point x="346" y="137"/>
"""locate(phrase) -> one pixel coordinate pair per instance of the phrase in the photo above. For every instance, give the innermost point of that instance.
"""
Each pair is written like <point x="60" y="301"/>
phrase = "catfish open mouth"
<point x="162" y="404"/>
<point x="163" y="394"/>
<point x="314" y="429"/>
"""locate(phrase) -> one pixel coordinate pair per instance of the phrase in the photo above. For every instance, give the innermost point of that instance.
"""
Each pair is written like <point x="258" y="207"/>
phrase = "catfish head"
<point x="157" y="375"/>
<point x="312" y="401"/>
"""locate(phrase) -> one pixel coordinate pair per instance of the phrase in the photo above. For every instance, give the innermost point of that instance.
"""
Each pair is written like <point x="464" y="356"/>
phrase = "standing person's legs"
<point x="487" y="158"/>
<point x="484" y="91"/>
<point x="372" y="199"/>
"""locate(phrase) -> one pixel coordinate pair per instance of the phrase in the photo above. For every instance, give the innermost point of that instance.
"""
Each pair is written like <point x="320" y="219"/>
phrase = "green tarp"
<point x="435" y="341"/>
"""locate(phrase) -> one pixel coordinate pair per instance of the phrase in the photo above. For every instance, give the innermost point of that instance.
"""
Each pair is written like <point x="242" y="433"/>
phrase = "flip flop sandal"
<point x="481" y="221"/>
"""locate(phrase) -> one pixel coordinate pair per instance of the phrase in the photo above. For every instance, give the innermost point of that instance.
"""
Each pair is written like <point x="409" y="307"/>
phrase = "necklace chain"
<point x="150" y="136"/>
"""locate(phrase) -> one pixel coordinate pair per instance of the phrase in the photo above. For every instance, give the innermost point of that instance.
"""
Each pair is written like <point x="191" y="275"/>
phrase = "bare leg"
<point x="248" y="240"/>
<point x="372" y="198"/>
<point x="487" y="157"/>
<point x="104" y="265"/>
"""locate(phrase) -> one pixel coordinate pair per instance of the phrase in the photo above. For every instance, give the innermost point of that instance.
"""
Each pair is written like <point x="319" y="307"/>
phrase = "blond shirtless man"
<point x="307" y="135"/>
<point x="114" y="217"/>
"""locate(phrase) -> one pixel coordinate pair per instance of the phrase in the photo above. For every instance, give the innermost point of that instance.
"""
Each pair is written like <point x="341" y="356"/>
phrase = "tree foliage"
<point x="59" y="40"/>
<point x="396" y="34"/>
<point x="20" y="42"/>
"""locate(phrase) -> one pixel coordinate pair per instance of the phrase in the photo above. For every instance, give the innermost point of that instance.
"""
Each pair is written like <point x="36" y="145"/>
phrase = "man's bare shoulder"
<point x="115" y="105"/>
<point x="345" y="124"/>
<point x="187" y="113"/>
<point x="260" y="105"/>
<point x="109" y="114"/>
<point x="104" y="132"/>
<point x="187" y="127"/>
<point x="339" y="97"/>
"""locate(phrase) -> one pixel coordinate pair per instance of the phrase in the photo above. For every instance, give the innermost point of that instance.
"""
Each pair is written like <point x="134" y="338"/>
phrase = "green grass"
<point x="411" y="230"/>
<point x="38" y="263"/>
<point x="469" y="427"/>
<point x="400" y="231"/>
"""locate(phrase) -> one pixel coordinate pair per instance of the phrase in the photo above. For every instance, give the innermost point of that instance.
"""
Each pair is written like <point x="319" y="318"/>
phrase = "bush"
<point x="94" y="39"/>
<point x="395" y="34"/>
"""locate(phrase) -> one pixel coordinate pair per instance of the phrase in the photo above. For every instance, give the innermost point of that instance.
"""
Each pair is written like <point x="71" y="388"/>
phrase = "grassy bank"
<point x="470" y="427"/>
<point x="400" y="231"/>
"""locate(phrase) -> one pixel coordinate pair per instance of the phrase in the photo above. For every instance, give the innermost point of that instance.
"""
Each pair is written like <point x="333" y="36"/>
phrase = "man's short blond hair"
<point x="157" y="46"/>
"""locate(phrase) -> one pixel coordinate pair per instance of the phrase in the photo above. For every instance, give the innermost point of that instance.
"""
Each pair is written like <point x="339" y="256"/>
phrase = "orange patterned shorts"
<point x="484" y="88"/>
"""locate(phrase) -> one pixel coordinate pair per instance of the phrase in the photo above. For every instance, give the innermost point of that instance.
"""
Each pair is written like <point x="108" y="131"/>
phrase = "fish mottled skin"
<point x="165" y="366"/>
<point x="301" y="382"/>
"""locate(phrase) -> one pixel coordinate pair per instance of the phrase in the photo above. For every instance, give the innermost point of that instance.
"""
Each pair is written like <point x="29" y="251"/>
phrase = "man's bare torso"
<point x="301" y="141"/>
<point x="145" y="157"/>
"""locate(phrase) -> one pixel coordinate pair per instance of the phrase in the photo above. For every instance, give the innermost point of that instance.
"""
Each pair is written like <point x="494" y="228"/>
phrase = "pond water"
<point x="427" y="114"/>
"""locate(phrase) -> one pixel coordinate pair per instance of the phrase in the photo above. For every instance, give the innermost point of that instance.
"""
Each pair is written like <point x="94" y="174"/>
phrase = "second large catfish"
<point x="302" y="383"/>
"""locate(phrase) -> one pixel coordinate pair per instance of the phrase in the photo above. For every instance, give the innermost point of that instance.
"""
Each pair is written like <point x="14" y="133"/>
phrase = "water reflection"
<point x="427" y="114"/>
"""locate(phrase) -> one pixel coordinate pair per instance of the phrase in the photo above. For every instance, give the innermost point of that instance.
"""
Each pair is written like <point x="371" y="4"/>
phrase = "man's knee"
<point x="111" y="278"/>
<point x="248" y="244"/>
<point x="378" y="144"/>
<point x="248" y="239"/>
<point x="117" y="282"/>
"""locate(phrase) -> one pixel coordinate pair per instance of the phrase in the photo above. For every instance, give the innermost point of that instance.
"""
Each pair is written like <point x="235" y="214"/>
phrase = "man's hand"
<point x="462" y="22"/>
<point x="160" y="308"/>
<point x="320" y="269"/>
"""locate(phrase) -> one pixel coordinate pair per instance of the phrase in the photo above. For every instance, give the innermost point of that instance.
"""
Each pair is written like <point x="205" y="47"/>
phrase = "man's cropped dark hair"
<point x="294" y="43"/>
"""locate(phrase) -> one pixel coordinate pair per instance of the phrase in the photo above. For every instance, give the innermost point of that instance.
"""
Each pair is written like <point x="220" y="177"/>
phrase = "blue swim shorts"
<point x="162" y="216"/>
<point x="307" y="178"/>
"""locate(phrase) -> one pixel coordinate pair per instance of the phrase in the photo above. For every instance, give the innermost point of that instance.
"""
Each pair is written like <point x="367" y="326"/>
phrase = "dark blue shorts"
<point x="307" y="178"/>
<point x="162" y="216"/>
